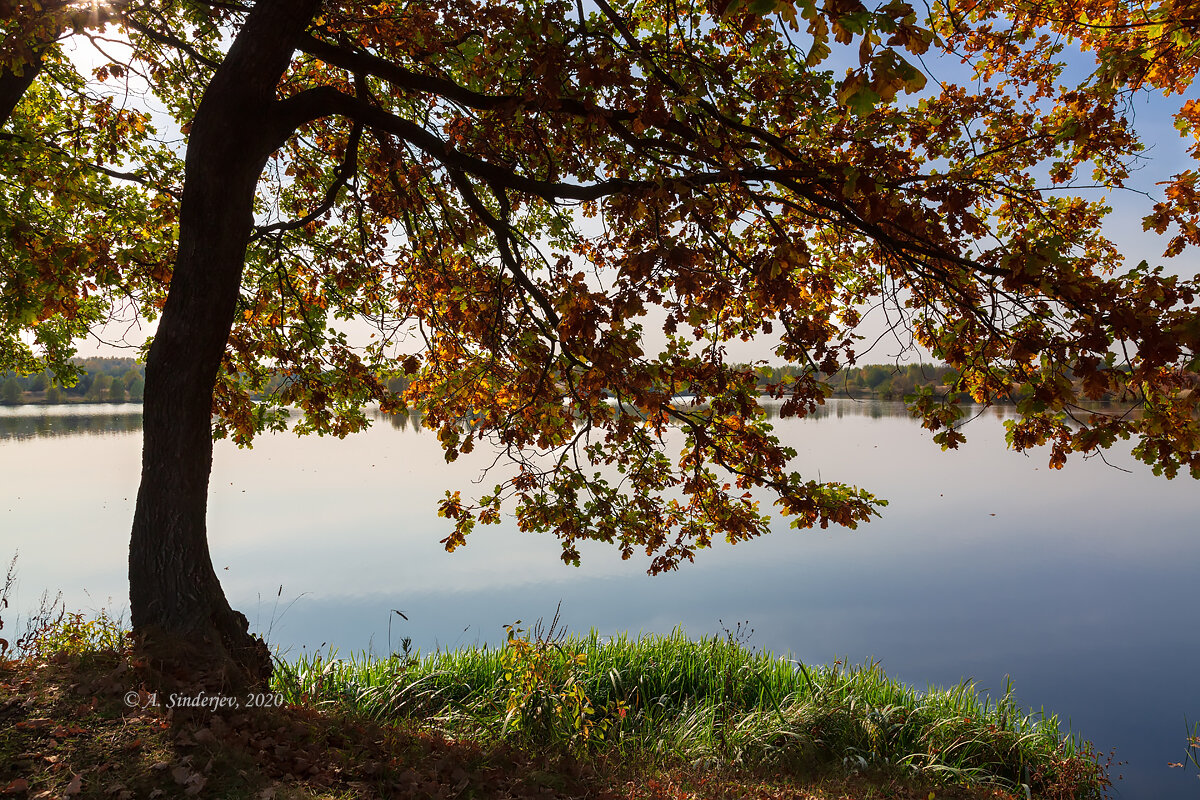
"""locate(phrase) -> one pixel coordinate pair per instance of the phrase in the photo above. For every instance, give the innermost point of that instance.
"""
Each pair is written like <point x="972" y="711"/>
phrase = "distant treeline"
<point x="884" y="381"/>
<point x="895" y="381"/>
<point x="104" y="380"/>
<point x="122" y="380"/>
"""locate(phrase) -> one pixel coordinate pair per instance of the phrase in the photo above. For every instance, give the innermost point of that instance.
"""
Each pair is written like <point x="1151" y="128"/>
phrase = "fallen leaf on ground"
<point x="19" y="786"/>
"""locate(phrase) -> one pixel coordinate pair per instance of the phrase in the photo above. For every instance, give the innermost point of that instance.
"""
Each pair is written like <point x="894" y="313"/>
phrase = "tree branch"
<point x="341" y="176"/>
<point x="358" y="61"/>
<point x="325" y="101"/>
<point x="169" y="40"/>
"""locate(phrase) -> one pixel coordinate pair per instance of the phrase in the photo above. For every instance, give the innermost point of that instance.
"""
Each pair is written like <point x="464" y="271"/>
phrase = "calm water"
<point x="1080" y="583"/>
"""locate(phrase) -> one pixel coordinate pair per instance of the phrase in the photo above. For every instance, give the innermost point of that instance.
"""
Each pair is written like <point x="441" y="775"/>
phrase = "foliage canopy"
<point x="556" y="215"/>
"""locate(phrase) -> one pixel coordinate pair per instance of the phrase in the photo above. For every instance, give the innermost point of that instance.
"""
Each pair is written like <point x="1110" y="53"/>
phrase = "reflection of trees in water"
<point x="841" y="407"/>
<point x="32" y="427"/>
<point x="874" y="408"/>
<point x="101" y="424"/>
<point x="411" y="420"/>
<point x="401" y="421"/>
<point x="29" y="426"/>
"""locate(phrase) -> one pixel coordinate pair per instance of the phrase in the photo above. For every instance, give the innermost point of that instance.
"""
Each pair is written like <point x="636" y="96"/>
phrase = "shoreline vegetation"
<point x="122" y="380"/>
<point x="545" y="715"/>
<point x="714" y="702"/>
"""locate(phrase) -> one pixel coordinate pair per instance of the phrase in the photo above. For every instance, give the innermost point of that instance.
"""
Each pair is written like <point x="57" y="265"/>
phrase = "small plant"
<point x="1193" y="751"/>
<point x="52" y="630"/>
<point x="9" y="578"/>
<point x="73" y="634"/>
<point x="545" y="698"/>
<point x="1192" y="755"/>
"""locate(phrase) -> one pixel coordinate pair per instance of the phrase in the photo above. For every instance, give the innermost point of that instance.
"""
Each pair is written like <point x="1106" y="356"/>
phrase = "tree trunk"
<point x="179" y="612"/>
<point x="14" y="86"/>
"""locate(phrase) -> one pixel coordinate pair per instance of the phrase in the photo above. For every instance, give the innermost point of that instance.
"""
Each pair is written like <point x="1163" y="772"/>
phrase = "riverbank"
<point x="545" y="716"/>
<point x="665" y="701"/>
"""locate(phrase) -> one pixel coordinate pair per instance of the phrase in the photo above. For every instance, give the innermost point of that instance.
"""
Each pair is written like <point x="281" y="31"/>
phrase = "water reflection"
<point x="401" y="421"/>
<point x="986" y="562"/>
<point x="33" y="421"/>
<point x="841" y="408"/>
<point x="70" y="421"/>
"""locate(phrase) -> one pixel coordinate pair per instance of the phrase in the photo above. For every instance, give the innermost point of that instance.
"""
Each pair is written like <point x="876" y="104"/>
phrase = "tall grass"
<point x="710" y="701"/>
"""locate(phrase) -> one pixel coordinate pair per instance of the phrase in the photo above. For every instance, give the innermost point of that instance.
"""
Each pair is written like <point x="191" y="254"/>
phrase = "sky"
<point x="1166" y="154"/>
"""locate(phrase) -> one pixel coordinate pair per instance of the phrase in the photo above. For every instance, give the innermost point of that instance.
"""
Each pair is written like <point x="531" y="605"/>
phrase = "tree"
<point x="874" y="374"/>
<point x="100" y="387"/>
<point x="520" y="185"/>
<point x="10" y="391"/>
<point x="80" y="236"/>
<point x="134" y="385"/>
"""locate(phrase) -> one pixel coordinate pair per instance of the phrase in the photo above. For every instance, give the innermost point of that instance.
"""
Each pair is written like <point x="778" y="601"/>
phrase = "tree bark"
<point x="13" y="86"/>
<point x="179" y="612"/>
<point x="15" y="79"/>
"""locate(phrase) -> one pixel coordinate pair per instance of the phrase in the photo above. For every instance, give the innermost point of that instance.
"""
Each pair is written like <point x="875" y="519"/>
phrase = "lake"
<point x="1079" y="583"/>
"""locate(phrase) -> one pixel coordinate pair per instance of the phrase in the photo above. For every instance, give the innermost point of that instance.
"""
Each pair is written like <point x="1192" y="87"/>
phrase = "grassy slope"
<point x="714" y="703"/>
<point x="545" y="716"/>
<point x="66" y="731"/>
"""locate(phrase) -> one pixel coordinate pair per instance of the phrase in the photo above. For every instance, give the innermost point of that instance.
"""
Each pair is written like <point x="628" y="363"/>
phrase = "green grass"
<point x="712" y="701"/>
